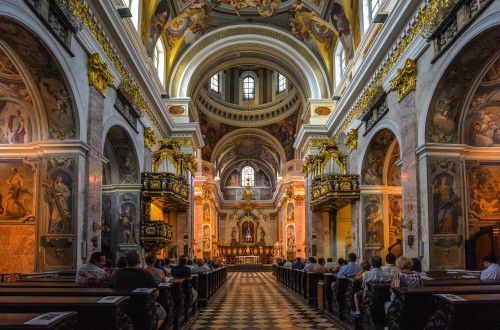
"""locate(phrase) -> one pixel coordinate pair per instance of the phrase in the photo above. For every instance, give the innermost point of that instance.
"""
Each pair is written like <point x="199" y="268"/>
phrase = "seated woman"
<point x="158" y="274"/>
<point x="320" y="268"/>
<point x="417" y="267"/>
<point x="405" y="278"/>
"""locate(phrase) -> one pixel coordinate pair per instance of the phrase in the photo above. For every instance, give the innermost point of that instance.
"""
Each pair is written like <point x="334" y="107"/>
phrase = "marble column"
<point x="300" y="230"/>
<point x="409" y="173"/>
<point x="352" y="167"/>
<point x="94" y="170"/>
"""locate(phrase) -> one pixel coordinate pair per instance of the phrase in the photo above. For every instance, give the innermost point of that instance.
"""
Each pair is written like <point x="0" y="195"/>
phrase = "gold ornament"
<point x="406" y="80"/>
<point x="351" y="139"/>
<point x="150" y="138"/>
<point x="99" y="75"/>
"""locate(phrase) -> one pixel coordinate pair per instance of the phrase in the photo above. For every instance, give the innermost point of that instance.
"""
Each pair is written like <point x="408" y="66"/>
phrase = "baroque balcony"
<point x="334" y="192"/>
<point x="155" y="235"/>
<point x="165" y="190"/>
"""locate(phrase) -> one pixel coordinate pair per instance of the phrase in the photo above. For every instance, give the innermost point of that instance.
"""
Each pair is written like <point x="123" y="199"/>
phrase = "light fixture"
<point x="124" y="12"/>
<point x="165" y="96"/>
<point x="335" y="98"/>
<point x="380" y="18"/>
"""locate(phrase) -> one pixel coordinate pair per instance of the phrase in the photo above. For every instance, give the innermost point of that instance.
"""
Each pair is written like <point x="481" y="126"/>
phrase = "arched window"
<point x="248" y="176"/>
<point x="340" y="62"/>
<point x="214" y="83"/>
<point x="133" y="5"/>
<point x="370" y="9"/>
<point x="159" y="61"/>
<point x="248" y="88"/>
<point x="281" y="82"/>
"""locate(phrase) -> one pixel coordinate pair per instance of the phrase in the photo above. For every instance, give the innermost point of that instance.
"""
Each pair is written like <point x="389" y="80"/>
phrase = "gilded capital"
<point x="150" y="138"/>
<point x="406" y="80"/>
<point x="99" y="75"/>
<point x="351" y="139"/>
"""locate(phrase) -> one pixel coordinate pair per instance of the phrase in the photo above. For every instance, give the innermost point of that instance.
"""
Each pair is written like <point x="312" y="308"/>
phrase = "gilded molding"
<point x="351" y="139"/>
<point x="80" y="11"/>
<point x="313" y="143"/>
<point x="420" y="25"/>
<point x="171" y="148"/>
<point x="406" y="80"/>
<point x="99" y="75"/>
<point x="150" y="138"/>
<point x="316" y="163"/>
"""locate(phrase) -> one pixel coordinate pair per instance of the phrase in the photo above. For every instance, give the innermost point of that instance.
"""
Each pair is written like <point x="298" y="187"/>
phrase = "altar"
<point x="247" y="260"/>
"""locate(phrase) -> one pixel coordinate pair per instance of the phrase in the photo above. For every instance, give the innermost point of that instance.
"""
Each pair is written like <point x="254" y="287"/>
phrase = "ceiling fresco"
<point x="318" y="23"/>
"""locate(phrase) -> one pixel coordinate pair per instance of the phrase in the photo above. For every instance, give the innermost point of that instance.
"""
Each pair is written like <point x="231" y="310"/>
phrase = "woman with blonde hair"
<point x="158" y="274"/>
<point x="404" y="278"/>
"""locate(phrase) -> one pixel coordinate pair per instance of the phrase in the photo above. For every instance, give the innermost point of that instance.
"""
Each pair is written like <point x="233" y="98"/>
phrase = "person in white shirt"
<point x="492" y="271"/>
<point x="390" y="268"/>
<point x="190" y="264"/>
<point x="309" y="267"/>
<point x="288" y="263"/>
<point x="331" y="265"/>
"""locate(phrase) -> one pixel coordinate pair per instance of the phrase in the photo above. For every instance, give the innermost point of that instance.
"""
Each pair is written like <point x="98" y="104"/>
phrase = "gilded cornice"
<point x="99" y="75"/>
<point x="313" y="143"/>
<point x="406" y="80"/>
<point x="420" y="25"/>
<point x="171" y="148"/>
<point x="80" y="11"/>
<point x="150" y="138"/>
<point x="316" y="163"/>
<point x="351" y="139"/>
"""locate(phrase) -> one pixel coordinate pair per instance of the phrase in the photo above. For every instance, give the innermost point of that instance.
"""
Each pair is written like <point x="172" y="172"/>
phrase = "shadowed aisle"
<point x="257" y="301"/>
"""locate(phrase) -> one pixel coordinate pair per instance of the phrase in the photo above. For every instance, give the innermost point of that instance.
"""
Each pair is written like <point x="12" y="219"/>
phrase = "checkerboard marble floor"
<point x="258" y="301"/>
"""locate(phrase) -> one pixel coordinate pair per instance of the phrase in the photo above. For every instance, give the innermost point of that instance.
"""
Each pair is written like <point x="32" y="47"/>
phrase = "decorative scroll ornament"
<point x="438" y="12"/>
<point x="99" y="75"/>
<point x="329" y="149"/>
<point x="150" y="138"/>
<point x="406" y="80"/>
<point x="171" y="148"/>
<point x="351" y="139"/>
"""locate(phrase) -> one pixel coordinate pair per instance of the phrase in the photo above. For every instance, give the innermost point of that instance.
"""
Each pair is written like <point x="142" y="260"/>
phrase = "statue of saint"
<point x="233" y="233"/>
<point x="262" y="234"/>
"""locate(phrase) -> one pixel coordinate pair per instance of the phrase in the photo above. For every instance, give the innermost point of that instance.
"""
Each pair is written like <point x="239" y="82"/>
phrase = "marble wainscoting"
<point x="17" y="243"/>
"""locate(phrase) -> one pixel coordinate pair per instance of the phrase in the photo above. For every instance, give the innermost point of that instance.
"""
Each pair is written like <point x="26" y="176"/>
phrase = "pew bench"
<point x="412" y="307"/>
<point x="353" y="286"/>
<point x="18" y="321"/>
<point x="372" y="308"/>
<point x="92" y="314"/>
<point x="467" y="311"/>
<point x="339" y="288"/>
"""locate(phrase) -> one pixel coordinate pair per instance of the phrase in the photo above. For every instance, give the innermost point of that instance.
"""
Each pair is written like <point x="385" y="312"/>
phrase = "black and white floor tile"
<point x="258" y="301"/>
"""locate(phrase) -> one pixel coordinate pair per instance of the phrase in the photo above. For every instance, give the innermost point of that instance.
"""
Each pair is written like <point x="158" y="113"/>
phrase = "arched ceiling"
<point x="316" y="24"/>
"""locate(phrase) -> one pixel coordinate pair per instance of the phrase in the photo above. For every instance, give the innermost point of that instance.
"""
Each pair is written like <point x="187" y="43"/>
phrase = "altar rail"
<point x="230" y="253"/>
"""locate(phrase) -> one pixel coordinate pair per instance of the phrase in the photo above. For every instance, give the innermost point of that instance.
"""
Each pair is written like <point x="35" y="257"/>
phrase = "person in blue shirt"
<point x="351" y="269"/>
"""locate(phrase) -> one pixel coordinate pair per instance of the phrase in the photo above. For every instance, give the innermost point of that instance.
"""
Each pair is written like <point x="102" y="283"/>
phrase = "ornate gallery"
<point x="248" y="131"/>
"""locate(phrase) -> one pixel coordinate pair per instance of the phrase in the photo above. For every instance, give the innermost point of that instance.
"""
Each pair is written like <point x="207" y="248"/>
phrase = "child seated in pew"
<point x="365" y="268"/>
<point x="376" y="274"/>
<point x="405" y="278"/>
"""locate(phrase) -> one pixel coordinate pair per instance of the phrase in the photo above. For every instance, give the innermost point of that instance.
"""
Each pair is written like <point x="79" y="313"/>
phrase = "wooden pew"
<point x="328" y="293"/>
<point x="466" y="311"/>
<point x="178" y="298"/>
<point x="312" y="287"/>
<point x="41" y="285"/>
<point x="353" y="286"/>
<point x="372" y="309"/>
<point x="412" y="307"/>
<point x="48" y="279"/>
<point x="456" y="282"/>
<point x="303" y="284"/>
<point x="91" y="313"/>
<point x="338" y="295"/>
<point x="18" y="320"/>
<point x="203" y="290"/>
<point x="140" y="307"/>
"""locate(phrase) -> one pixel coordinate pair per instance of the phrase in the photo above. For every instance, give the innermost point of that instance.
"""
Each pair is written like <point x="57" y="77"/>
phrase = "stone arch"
<point x="60" y="89"/>
<point x="445" y="103"/>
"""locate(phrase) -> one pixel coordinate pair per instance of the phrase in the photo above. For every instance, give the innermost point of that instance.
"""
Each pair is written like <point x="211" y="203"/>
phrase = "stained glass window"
<point x="248" y="176"/>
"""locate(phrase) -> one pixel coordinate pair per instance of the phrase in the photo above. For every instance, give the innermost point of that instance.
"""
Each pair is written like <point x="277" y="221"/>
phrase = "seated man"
<point x="181" y="270"/>
<point x="298" y="264"/>
<point x="281" y="262"/>
<point x="492" y="271"/>
<point x="376" y="274"/>
<point x="93" y="270"/>
<point x="351" y="269"/>
<point x="309" y="267"/>
<point x="133" y="277"/>
<point x="288" y="263"/>
<point x="390" y="268"/>
<point x="331" y="265"/>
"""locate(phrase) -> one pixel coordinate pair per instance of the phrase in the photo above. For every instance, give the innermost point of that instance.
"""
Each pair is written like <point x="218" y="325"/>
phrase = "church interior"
<point x="250" y="135"/>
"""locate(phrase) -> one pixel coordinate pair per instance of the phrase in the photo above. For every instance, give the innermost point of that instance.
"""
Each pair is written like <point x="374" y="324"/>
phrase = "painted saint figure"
<point x="126" y="222"/>
<point x="445" y="201"/>
<point x="374" y="220"/>
<point x="57" y="197"/>
<point x="17" y="131"/>
<point x="16" y="191"/>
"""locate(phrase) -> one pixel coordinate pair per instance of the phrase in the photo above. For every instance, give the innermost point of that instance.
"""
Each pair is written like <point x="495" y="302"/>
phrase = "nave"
<point x="256" y="301"/>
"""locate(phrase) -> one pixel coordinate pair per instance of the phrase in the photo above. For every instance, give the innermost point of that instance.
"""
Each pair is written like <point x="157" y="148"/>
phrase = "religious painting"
<point x="176" y="110"/>
<point x="207" y="236"/>
<point x="376" y="153"/>
<point x="290" y="212"/>
<point x="322" y="111"/>
<point x="343" y="26"/>
<point x="126" y="163"/>
<point x="58" y="199"/>
<point x="290" y="238"/>
<point x="127" y="223"/>
<point x="248" y="232"/>
<point x="48" y="79"/>
<point x="484" y="189"/>
<point x="451" y="92"/>
<point x="15" y="124"/>
<point x="395" y="213"/>
<point x="157" y="23"/>
<point x="126" y="160"/>
<point x="394" y="172"/>
<point x="263" y="180"/>
<point x="265" y="8"/>
<point x="7" y="68"/>
<point x="206" y="213"/>
<point x="445" y="202"/>
<point x="372" y="213"/>
<point x="233" y="179"/>
<point x="17" y="191"/>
